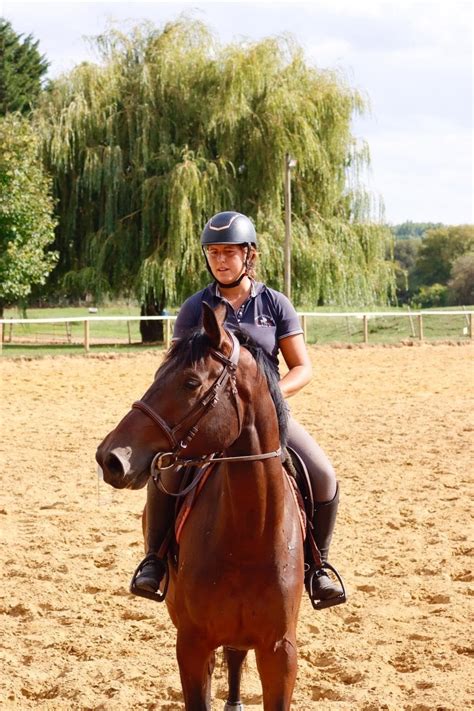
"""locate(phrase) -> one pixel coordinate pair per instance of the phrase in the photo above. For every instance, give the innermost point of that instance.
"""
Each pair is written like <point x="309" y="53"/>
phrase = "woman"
<point x="229" y="244"/>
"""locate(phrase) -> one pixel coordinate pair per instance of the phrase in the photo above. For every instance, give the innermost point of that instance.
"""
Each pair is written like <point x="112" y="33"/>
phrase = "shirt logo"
<point x="263" y="320"/>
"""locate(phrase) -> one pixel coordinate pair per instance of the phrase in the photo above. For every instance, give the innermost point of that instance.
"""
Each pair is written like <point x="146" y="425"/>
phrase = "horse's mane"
<point x="266" y="366"/>
<point x="195" y="345"/>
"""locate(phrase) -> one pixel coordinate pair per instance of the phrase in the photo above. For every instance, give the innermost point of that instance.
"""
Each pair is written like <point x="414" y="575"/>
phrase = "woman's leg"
<point x="319" y="585"/>
<point x="320" y="469"/>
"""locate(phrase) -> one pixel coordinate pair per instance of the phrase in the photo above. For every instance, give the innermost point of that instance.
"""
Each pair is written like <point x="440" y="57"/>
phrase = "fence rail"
<point x="416" y="317"/>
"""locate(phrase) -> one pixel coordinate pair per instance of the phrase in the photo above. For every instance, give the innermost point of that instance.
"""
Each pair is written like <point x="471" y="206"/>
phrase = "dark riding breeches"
<point x="320" y="469"/>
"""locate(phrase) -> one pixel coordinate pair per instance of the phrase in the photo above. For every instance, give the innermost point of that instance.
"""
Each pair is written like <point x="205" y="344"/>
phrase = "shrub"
<point x="431" y="296"/>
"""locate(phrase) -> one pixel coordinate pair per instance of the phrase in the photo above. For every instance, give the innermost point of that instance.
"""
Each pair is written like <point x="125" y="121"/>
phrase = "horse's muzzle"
<point x="117" y="470"/>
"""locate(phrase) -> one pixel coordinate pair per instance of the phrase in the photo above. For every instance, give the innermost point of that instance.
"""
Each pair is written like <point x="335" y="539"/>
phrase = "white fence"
<point x="86" y="320"/>
<point x="415" y="317"/>
<point x="417" y="320"/>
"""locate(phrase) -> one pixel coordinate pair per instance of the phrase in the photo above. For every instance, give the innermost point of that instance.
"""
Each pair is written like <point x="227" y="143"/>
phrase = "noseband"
<point x="179" y="442"/>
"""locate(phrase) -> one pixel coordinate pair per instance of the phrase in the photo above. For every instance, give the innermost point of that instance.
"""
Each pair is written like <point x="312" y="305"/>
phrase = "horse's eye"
<point x="192" y="384"/>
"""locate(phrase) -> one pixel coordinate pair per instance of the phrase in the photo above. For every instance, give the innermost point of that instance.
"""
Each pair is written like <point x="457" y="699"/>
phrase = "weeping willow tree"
<point x="172" y="127"/>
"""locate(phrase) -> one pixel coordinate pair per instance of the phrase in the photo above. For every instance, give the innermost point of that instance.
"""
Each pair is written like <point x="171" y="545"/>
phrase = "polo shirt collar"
<point x="256" y="288"/>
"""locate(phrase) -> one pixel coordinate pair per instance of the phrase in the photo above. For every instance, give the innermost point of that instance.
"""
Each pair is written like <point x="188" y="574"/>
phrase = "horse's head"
<point x="192" y="407"/>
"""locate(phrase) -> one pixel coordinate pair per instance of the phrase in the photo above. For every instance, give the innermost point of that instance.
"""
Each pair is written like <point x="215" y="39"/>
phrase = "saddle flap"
<point x="297" y="469"/>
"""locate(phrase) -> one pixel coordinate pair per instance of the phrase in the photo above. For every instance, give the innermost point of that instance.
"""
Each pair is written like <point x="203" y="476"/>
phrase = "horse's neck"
<point x="252" y="504"/>
<point x="260" y="433"/>
<point x="255" y="487"/>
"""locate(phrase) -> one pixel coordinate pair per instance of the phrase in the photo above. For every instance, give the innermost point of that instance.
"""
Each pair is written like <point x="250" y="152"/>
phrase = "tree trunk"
<point x="152" y="331"/>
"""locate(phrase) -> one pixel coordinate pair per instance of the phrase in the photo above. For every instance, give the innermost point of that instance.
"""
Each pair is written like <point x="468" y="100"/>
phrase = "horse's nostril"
<point x="114" y="465"/>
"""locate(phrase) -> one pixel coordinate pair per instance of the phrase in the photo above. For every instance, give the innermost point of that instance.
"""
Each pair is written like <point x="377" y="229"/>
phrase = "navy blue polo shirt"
<point x="267" y="316"/>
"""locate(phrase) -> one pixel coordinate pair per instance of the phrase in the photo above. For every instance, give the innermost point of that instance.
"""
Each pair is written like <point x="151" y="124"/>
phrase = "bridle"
<point x="166" y="461"/>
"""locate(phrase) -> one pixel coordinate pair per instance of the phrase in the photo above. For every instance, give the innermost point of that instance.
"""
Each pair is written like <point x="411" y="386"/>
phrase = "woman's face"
<point x="226" y="261"/>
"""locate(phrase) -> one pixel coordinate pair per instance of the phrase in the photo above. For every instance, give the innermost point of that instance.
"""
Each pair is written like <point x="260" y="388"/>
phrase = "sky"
<point x="412" y="59"/>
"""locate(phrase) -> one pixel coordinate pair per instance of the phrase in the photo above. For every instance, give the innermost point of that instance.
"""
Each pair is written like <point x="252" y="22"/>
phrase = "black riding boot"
<point x="319" y="584"/>
<point x="159" y="518"/>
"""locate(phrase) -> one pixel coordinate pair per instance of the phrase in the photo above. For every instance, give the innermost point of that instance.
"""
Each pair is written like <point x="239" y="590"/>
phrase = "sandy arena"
<point x="396" y="423"/>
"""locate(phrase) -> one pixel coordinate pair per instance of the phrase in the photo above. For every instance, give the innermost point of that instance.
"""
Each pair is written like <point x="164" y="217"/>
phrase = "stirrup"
<point x="158" y="595"/>
<point x="331" y="601"/>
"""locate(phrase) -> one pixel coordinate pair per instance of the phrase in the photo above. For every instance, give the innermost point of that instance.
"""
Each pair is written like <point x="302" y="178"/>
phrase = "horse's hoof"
<point x="234" y="706"/>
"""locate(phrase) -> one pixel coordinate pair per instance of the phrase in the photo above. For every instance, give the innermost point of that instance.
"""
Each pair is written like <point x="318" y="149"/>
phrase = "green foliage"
<point x="171" y="128"/>
<point x="411" y="230"/>
<point x="21" y="70"/>
<point x="438" y="252"/>
<point x="461" y="284"/>
<point x="406" y="251"/>
<point x="429" y="260"/>
<point x="26" y="206"/>
<point x="431" y="296"/>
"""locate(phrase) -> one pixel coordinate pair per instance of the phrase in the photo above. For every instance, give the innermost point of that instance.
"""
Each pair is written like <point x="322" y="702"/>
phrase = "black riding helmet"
<point x="229" y="228"/>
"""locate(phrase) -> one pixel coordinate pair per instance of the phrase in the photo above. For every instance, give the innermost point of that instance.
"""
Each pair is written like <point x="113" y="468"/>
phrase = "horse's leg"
<point x="144" y="526"/>
<point x="196" y="664"/>
<point x="210" y="671"/>
<point x="235" y="659"/>
<point x="277" y="669"/>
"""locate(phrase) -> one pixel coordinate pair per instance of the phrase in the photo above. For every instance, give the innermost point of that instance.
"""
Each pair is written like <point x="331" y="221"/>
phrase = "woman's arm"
<point x="293" y="349"/>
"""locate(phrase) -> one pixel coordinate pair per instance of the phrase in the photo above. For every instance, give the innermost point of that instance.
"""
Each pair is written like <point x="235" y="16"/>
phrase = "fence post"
<point x="413" y="334"/>
<point x="420" y="326"/>
<point x="1" y="337"/>
<point x="167" y="333"/>
<point x="471" y="325"/>
<point x="86" y="336"/>
<point x="365" y="319"/>
<point x="305" y="328"/>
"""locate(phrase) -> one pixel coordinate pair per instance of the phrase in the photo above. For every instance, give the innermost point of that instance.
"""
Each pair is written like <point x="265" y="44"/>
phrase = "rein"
<point x="166" y="461"/>
<point x="209" y="460"/>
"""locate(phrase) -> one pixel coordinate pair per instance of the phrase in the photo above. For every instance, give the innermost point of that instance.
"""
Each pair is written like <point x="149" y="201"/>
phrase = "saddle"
<point x="296" y="468"/>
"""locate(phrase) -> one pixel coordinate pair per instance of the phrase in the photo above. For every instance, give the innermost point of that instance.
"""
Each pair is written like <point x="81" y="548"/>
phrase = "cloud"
<point x="424" y="174"/>
<point x="412" y="58"/>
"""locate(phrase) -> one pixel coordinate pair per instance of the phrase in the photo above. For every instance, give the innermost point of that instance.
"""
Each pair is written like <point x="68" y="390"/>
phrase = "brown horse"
<point x="239" y="576"/>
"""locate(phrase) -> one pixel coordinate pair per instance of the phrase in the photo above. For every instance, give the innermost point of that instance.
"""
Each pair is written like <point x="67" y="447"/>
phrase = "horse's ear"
<point x="213" y="322"/>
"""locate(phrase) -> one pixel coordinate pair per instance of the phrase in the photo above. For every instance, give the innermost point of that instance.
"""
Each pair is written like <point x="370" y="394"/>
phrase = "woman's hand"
<point x="300" y="371"/>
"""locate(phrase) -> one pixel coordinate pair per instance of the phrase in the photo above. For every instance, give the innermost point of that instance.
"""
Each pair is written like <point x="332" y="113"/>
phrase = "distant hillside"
<point x="411" y="230"/>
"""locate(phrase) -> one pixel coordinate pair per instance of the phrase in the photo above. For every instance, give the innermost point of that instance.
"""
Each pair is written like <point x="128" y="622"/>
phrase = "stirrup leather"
<point x="157" y="596"/>
<point x="330" y="602"/>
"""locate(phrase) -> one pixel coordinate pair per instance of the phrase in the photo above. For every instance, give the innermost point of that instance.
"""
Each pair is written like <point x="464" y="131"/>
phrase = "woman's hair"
<point x="252" y="259"/>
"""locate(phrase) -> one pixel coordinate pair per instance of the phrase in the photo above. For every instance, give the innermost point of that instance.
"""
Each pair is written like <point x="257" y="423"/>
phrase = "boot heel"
<point x="158" y="595"/>
<point x="331" y="601"/>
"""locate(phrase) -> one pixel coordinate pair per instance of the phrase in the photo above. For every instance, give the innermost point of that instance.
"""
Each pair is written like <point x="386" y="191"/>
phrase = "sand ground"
<point x="397" y="423"/>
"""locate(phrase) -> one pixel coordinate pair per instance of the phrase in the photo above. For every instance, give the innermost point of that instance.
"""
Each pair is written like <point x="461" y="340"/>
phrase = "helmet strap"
<point x="234" y="283"/>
